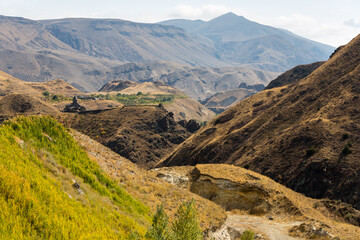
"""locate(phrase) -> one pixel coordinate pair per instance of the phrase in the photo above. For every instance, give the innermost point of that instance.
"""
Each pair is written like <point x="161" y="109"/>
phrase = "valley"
<point x="223" y="129"/>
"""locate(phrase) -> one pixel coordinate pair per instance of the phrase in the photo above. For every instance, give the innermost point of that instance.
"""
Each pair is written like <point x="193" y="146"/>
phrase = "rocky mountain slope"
<point x="87" y="52"/>
<point x="197" y="82"/>
<point x="133" y="42"/>
<point x="303" y="135"/>
<point x="142" y="134"/>
<point x="245" y="42"/>
<point x="31" y="53"/>
<point x="293" y="75"/>
<point x="224" y="100"/>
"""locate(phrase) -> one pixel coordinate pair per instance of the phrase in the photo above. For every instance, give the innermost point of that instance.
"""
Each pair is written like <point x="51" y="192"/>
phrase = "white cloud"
<point x="205" y="12"/>
<point x="352" y="23"/>
<point x="307" y="26"/>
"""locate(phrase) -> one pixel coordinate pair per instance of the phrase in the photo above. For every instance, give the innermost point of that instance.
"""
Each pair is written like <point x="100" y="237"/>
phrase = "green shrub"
<point x="55" y="98"/>
<point x="248" y="235"/>
<point x="345" y="136"/>
<point x="186" y="225"/>
<point x="46" y="93"/>
<point x="159" y="229"/>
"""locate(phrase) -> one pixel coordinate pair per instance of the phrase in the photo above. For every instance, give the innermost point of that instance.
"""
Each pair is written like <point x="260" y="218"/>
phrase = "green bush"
<point x="46" y="93"/>
<point x="159" y="229"/>
<point x="345" y="136"/>
<point x="248" y="235"/>
<point x="55" y="98"/>
<point x="186" y="225"/>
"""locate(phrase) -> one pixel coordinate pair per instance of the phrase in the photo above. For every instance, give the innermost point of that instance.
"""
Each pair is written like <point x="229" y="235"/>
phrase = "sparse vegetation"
<point x="46" y="93"/>
<point x="345" y="136"/>
<point x="55" y="97"/>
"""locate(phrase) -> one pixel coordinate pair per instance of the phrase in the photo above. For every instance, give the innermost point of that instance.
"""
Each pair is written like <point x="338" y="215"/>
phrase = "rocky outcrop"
<point x="256" y="202"/>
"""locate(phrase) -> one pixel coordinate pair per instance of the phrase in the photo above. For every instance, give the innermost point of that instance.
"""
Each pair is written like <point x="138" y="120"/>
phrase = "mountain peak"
<point x="229" y="15"/>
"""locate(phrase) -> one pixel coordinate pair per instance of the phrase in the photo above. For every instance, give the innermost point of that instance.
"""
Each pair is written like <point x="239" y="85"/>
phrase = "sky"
<point x="327" y="21"/>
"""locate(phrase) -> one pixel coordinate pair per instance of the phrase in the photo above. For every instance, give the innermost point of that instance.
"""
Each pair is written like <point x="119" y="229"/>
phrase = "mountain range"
<point x="239" y="40"/>
<point x="88" y="53"/>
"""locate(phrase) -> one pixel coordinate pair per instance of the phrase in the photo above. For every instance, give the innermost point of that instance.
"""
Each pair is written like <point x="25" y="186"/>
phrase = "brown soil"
<point x="16" y="104"/>
<point x="143" y="134"/>
<point x="304" y="135"/>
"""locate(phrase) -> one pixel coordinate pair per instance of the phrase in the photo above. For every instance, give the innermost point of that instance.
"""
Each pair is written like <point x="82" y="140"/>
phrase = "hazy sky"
<point x="327" y="21"/>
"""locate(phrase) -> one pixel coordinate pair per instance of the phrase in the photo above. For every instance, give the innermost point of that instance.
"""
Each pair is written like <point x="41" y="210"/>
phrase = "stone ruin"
<point x="74" y="107"/>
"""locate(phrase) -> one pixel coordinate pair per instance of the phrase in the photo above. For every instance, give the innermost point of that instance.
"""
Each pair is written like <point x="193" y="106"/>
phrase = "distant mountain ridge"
<point x="240" y="40"/>
<point x="88" y="53"/>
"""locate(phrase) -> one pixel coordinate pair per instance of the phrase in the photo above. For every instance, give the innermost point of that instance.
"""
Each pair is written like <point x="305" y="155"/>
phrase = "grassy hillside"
<point x="39" y="161"/>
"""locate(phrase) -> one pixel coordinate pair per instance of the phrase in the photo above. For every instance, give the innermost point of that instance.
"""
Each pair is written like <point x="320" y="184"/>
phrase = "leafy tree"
<point x="159" y="229"/>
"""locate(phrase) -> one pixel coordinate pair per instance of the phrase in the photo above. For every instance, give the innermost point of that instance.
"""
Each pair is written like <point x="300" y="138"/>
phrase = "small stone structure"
<point x="74" y="106"/>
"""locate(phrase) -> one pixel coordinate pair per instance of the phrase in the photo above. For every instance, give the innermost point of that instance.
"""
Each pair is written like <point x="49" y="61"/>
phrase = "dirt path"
<point x="270" y="229"/>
